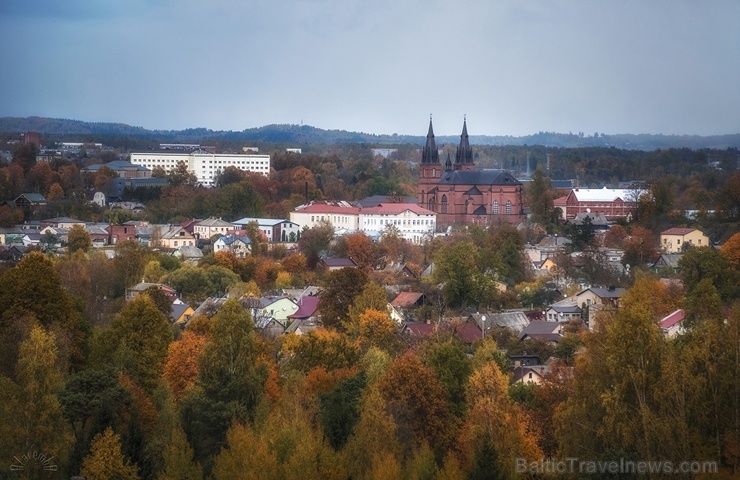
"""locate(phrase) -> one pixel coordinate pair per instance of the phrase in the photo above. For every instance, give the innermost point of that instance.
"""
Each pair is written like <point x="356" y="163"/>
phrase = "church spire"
<point x="448" y="163"/>
<point x="464" y="153"/>
<point x="430" y="154"/>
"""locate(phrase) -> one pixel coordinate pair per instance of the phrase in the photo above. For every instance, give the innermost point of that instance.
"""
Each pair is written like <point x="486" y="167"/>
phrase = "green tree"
<point x="181" y="176"/>
<point x="450" y="362"/>
<point x="458" y="268"/>
<point x="34" y="288"/>
<point x="339" y="409"/>
<point x="78" y="239"/>
<point x="372" y="297"/>
<point x="314" y="241"/>
<point x="230" y="382"/>
<point x="106" y="461"/>
<point x="139" y="336"/>
<point x="540" y="196"/>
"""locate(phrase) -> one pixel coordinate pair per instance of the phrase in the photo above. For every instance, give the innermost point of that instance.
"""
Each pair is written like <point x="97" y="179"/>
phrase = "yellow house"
<point x="181" y="313"/>
<point x="674" y="239"/>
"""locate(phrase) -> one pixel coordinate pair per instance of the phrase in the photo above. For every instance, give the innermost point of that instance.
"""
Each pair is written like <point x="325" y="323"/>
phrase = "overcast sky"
<point x="514" y="67"/>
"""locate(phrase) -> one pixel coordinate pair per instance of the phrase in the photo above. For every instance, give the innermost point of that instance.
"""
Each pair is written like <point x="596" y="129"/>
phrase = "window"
<point x="444" y="203"/>
<point x="508" y="207"/>
<point x="495" y="207"/>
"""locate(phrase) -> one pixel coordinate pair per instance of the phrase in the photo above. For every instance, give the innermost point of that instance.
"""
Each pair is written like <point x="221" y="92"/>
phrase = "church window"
<point x="508" y="207"/>
<point x="444" y="203"/>
<point x="430" y="205"/>
<point x="495" y="207"/>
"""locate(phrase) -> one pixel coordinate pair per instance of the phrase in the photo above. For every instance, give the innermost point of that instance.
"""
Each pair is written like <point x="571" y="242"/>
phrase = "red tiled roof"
<point x="307" y="306"/>
<point x="325" y="208"/>
<point x="396" y="209"/>
<point x="678" y="231"/>
<point x="560" y="201"/>
<point x="406" y="299"/>
<point x="673" y="319"/>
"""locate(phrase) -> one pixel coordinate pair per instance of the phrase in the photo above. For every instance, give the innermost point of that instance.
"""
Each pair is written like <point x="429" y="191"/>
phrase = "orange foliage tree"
<point x="181" y="365"/>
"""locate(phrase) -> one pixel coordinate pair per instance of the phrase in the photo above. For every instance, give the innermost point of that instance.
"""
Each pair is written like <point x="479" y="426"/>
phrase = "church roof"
<point x="478" y="177"/>
<point x="464" y="152"/>
<point x="430" y="154"/>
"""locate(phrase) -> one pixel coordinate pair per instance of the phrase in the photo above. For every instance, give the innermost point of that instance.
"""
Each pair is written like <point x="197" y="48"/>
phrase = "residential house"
<point x="121" y="233"/>
<point x="180" y="313"/>
<point x="189" y="253"/>
<point x="466" y="332"/>
<point x="275" y="230"/>
<point x="667" y="261"/>
<point x="303" y="326"/>
<point x="31" y="202"/>
<point x="11" y="235"/>
<point x="402" y="305"/>
<point x="674" y="240"/>
<point x="205" y="229"/>
<point x="239" y="245"/>
<point x="168" y="291"/>
<point x="549" y="331"/>
<point x="531" y="374"/>
<point x="413" y="223"/>
<point x="337" y="263"/>
<point x="515" y="320"/>
<point x="308" y="306"/>
<point x="176" y="237"/>
<point x="62" y="222"/>
<point x="12" y="254"/>
<point x="275" y="307"/>
<point x="600" y="296"/>
<point x="672" y="324"/>
<point x="562" y="314"/>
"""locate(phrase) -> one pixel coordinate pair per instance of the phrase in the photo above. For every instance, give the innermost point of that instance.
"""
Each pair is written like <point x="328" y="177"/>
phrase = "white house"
<point x="206" y="166"/>
<point x="275" y="307"/>
<point x="275" y="230"/>
<point x="240" y="246"/>
<point x="205" y="229"/>
<point x="339" y="214"/>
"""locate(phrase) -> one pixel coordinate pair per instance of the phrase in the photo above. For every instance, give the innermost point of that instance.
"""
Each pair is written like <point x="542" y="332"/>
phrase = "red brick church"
<point x="462" y="195"/>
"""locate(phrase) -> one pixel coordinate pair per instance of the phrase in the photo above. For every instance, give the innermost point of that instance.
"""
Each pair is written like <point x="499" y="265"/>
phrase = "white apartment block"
<point x="206" y="166"/>
<point x="339" y="214"/>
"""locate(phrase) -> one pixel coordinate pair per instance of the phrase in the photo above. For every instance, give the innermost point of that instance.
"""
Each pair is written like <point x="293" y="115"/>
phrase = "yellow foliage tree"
<point x="376" y="329"/>
<point x="105" y="460"/>
<point x="181" y="365"/>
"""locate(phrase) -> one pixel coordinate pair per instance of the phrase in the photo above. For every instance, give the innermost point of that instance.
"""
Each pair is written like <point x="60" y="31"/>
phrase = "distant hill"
<point x="304" y="134"/>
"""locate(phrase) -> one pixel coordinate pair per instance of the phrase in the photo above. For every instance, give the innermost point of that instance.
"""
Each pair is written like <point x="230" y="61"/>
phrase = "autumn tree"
<point x="181" y="365"/>
<point x="376" y="329"/>
<point x="78" y="239"/>
<point x="373" y="296"/>
<point x="55" y="192"/>
<point x="33" y="415"/>
<point x="340" y="409"/>
<point x="448" y="359"/>
<point x="322" y="348"/>
<point x="361" y="249"/>
<point x="731" y="250"/>
<point x="338" y="292"/>
<point x="496" y="432"/>
<point x="418" y="403"/>
<point x="178" y="459"/>
<point x="181" y="176"/>
<point x="106" y="461"/>
<point x="34" y="288"/>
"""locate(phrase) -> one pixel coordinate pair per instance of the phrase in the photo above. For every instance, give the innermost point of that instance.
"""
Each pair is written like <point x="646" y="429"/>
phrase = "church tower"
<point x="464" y="155"/>
<point x="429" y="169"/>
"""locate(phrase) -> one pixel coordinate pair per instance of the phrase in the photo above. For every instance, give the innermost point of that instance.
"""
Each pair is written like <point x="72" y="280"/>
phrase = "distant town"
<point x="444" y="309"/>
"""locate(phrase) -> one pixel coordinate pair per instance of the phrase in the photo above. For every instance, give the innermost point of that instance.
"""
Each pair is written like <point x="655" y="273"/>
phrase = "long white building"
<point x="414" y="223"/>
<point x="206" y="166"/>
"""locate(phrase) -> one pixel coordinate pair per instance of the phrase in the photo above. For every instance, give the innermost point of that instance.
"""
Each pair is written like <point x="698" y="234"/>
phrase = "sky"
<point x="511" y="67"/>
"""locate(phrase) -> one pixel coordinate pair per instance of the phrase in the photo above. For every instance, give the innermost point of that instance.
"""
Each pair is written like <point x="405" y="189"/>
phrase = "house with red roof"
<point x="612" y="203"/>
<point x="672" y="325"/>
<point x="675" y="239"/>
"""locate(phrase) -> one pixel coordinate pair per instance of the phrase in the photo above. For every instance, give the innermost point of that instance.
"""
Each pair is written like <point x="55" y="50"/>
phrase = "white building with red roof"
<point x="340" y="214"/>
<point x="672" y="324"/>
<point x="414" y="223"/>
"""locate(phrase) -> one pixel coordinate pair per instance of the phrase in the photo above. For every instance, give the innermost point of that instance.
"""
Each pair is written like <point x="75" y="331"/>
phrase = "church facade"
<point x="462" y="195"/>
